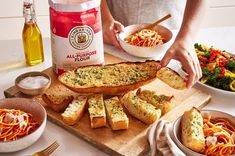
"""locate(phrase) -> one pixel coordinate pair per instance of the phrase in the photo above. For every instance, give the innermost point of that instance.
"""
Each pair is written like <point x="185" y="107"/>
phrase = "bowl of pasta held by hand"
<point x="22" y="122"/>
<point x="206" y="132"/>
<point x="145" y="43"/>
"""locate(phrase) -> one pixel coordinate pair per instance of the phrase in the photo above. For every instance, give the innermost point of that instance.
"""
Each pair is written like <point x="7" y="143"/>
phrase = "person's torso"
<point x="147" y="11"/>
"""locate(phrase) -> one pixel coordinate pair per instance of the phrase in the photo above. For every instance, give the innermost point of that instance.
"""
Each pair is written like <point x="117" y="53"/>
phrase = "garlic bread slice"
<point x="172" y="78"/>
<point x="117" y="117"/>
<point x="96" y="111"/>
<point x="140" y="109"/>
<point x="162" y="102"/>
<point x="75" y="110"/>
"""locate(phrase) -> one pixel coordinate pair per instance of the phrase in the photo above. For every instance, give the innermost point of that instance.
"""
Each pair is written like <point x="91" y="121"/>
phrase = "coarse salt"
<point x="33" y="82"/>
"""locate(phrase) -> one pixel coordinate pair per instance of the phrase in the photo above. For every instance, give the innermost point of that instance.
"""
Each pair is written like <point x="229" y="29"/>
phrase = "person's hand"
<point x="110" y="28"/>
<point x="184" y="52"/>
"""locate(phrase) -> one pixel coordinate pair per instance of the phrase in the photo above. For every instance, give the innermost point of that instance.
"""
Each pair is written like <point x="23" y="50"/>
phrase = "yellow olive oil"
<point x="31" y="35"/>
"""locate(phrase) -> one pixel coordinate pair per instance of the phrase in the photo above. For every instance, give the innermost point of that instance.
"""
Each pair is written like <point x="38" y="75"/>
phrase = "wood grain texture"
<point x="131" y="142"/>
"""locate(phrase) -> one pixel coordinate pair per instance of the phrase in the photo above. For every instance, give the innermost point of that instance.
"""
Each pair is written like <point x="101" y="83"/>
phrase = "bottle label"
<point x="76" y="39"/>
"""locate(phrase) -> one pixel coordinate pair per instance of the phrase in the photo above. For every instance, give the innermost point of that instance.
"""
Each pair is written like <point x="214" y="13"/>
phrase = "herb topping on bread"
<point x="75" y="110"/>
<point x="116" y="116"/>
<point x="140" y="109"/>
<point x="97" y="111"/>
<point x="192" y="134"/>
<point x="162" y="102"/>
<point x="110" y="79"/>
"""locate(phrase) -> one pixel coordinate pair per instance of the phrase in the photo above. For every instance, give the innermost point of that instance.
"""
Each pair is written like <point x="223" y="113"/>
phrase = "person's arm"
<point x="182" y="49"/>
<point x="110" y="26"/>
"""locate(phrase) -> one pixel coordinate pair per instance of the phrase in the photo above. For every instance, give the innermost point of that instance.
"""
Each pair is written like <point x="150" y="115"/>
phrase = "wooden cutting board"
<point x="131" y="142"/>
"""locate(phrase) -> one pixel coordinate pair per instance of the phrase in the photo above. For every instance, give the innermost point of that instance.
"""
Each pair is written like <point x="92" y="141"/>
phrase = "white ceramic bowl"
<point x="29" y="106"/>
<point x="177" y="129"/>
<point x="145" y="52"/>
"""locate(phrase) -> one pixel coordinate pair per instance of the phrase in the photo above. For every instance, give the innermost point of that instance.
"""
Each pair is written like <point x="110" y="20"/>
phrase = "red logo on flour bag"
<point x="76" y="34"/>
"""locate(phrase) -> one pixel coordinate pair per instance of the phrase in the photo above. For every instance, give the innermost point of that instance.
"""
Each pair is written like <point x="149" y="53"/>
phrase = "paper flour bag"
<point x="76" y="34"/>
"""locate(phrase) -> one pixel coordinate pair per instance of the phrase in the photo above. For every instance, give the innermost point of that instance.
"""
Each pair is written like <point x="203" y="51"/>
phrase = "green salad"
<point x="218" y="67"/>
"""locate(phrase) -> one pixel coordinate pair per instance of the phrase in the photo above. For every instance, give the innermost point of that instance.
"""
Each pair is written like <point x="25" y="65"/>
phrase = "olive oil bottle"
<point x="31" y="35"/>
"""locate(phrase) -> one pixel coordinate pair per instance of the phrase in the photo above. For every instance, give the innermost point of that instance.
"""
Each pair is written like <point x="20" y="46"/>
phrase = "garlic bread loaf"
<point x="116" y="116"/>
<point x="162" y="102"/>
<point x="172" y="78"/>
<point x="112" y="79"/>
<point x="96" y="111"/>
<point x="192" y="135"/>
<point x="140" y="109"/>
<point x="75" y="110"/>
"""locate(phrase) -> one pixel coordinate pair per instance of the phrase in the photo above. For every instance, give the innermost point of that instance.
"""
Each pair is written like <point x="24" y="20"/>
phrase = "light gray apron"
<point x="147" y="11"/>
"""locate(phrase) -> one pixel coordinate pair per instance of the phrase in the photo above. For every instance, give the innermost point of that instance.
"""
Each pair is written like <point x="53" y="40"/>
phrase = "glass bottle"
<point x="32" y="38"/>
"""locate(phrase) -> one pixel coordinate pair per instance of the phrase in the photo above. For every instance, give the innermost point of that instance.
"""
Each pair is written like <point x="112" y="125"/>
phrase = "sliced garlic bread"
<point x="172" y="78"/>
<point x="162" y="102"/>
<point x="75" y="110"/>
<point x="57" y="102"/>
<point x="192" y="135"/>
<point x="112" y="79"/>
<point x="140" y="109"/>
<point x="96" y="110"/>
<point x="117" y="117"/>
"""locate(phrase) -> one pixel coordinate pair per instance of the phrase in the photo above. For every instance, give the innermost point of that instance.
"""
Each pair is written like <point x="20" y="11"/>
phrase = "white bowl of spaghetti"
<point x="145" y="43"/>
<point x="219" y="131"/>
<point x="22" y="123"/>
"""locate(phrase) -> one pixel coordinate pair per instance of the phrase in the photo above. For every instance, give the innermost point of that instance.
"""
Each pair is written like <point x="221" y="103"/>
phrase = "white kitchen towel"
<point x="160" y="140"/>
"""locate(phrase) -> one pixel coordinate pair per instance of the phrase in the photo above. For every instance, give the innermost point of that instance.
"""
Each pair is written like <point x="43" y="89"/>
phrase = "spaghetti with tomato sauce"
<point x="15" y="124"/>
<point x="220" y="137"/>
<point x="145" y="38"/>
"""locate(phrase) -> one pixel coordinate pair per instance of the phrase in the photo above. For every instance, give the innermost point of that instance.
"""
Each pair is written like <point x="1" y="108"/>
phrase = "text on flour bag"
<point x="76" y="34"/>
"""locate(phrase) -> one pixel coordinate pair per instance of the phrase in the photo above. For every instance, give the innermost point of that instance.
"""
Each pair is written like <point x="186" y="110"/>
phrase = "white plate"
<point x="211" y="88"/>
<point x="216" y="90"/>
